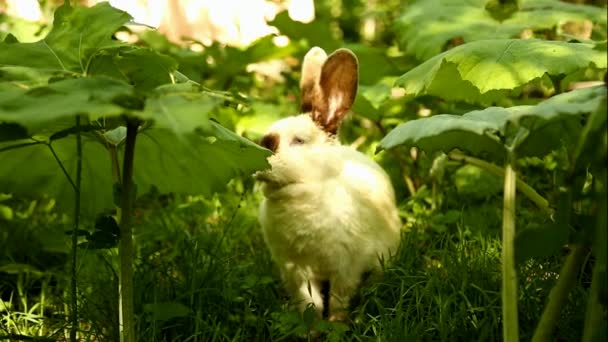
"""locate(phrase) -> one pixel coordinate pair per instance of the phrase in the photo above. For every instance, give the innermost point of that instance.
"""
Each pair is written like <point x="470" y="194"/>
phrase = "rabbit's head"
<point x="299" y="143"/>
<point x="328" y="88"/>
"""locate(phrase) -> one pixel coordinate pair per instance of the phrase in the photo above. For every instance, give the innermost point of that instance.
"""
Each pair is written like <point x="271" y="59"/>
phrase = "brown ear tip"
<point x="345" y="54"/>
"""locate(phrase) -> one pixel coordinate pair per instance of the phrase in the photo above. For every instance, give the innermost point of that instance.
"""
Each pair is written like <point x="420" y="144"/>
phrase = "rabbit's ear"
<point x="309" y="83"/>
<point x="338" y="88"/>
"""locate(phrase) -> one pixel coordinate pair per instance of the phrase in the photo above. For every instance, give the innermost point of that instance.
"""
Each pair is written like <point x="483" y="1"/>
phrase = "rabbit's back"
<point x="338" y="214"/>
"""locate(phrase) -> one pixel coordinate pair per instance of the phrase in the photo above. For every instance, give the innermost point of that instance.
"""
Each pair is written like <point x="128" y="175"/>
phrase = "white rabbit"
<point x="329" y="212"/>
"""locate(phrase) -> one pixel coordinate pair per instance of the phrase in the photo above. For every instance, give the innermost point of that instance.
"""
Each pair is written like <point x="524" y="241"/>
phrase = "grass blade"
<point x="509" y="276"/>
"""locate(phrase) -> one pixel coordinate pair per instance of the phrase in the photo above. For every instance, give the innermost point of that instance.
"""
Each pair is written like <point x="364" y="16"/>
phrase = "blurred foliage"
<point x="202" y="269"/>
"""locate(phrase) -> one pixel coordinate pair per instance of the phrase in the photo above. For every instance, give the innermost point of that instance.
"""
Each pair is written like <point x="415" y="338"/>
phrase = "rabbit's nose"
<point x="270" y="141"/>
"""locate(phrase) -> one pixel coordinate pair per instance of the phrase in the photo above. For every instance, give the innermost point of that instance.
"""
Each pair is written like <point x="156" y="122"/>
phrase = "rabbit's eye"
<point x="297" y="141"/>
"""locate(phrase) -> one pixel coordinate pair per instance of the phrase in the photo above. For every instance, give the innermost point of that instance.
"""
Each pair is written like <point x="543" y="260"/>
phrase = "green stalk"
<point x="437" y="171"/>
<point x="74" y="282"/>
<point x="568" y="274"/>
<point x="595" y="320"/>
<point x="509" y="276"/>
<point x="559" y="294"/>
<point x="125" y="248"/>
<point x="65" y="172"/>
<point x="409" y="183"/>
<point x="12" y="147"/>
<point x="115" y="163"/>
<point x="435" y="195"/>
<point x="523" y="187"/>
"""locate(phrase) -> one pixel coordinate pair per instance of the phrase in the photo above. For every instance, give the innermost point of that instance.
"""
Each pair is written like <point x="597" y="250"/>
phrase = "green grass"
<point x="204" y="274"/>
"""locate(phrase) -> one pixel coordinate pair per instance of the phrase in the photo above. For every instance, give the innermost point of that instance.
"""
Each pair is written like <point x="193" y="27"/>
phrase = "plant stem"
<point x="559" y="294"/>
<point x="435" y="195"/>
<point x="409" y="183"/>
<point x="436" y="172"/>
<point x="595" y="320"/>
<point x="74" y="283"/>
<point x="522" y="186"/>
<point x="127" y="310"/>
<point x="567" y="278"/>
<point x="115" y="164"/>
<point x="11" y="147"/>
<point x="509" y="276"/>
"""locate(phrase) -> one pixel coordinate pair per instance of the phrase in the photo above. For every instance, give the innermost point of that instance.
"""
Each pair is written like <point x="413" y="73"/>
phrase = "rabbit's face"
<point x="295" y="132"/>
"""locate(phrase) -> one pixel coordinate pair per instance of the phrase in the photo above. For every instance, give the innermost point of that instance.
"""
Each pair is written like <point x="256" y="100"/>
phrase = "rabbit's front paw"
<point x="262" y="176"/>
<point x="339" y="316"/>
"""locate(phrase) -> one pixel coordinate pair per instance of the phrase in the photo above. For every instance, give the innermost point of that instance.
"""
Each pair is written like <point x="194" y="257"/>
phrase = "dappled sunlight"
<point x="301" y="10"/>
<point x="231" y="22"/>
<point x="25" y="9"/>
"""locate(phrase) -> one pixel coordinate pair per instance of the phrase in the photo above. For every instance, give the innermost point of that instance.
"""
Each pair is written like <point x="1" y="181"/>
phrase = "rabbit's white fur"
<point x="329" y="211"/>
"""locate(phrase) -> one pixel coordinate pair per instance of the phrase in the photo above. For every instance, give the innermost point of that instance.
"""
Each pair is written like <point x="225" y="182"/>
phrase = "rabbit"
<point x="329" y="213"/>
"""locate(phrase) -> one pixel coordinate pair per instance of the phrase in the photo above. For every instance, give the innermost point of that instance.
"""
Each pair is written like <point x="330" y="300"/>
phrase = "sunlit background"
<point x="231" y="22"/>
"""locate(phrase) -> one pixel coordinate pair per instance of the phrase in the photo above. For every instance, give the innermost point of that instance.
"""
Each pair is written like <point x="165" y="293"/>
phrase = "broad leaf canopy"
<point x="79" y="70"/>
<point x="486" y="69"/>
<point x="427" y="26"/>
<point x="489" y="131"/>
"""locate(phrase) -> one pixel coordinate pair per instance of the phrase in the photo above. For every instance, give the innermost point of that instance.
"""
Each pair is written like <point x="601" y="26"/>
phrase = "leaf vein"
<point x="80" y="54"/>
<point x="498" y="60"/>
<point x="54" y="54"/>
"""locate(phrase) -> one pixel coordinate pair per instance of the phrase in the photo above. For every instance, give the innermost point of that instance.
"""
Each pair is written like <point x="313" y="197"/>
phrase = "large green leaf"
<point x="427" y="26"/>
<point x="194" y="163"/>
<point x="78" y="33"/>
<point x="178" y="149"/>
<point x="38" y="107"/>
<point x="490" y="131"/>
<point x="482" y="69"/>
<point x="26" y="77"/>
<point x="199" y="162"/>
<point x="178" y="107"/>
<point x="33" y="170"/>
<point x="446" y="132"/>
<point x="556" y="121"/>
<point x="580" y="101"/>
<point x="43" y="111"/>
<point x="145" y="69"/>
